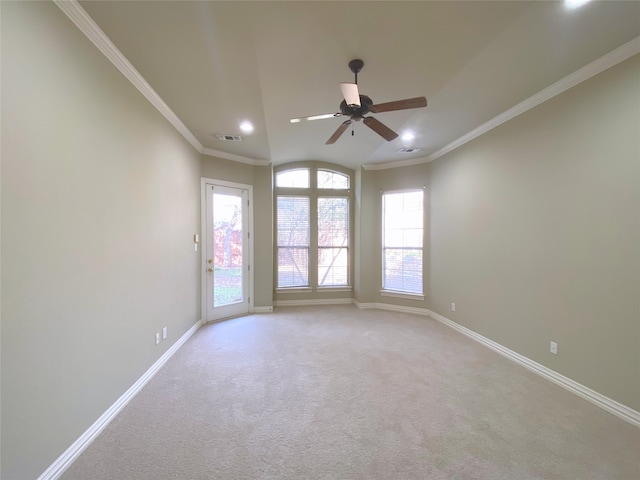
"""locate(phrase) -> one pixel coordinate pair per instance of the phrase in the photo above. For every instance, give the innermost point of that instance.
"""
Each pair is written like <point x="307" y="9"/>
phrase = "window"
<point x="333" y="241"/>
<point x="313" y="225"/>
<point x="333" y="180"/>
<point x="298" y="178"/>
<point x="293" y="241"/>
<point x="402" y="237"/>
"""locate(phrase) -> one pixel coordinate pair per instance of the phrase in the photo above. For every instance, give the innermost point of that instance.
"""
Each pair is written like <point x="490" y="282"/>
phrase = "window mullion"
<point x="313" y="240"/>
<point x="296" y="187"/>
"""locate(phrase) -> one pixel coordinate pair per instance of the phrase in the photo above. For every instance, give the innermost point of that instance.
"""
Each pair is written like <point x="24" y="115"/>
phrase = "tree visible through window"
<point x="332" y="180"/>
<point x="402" y="237"/>
<point x="313" y="224"/>
<point x="333" y="241"/>
<point x="293" y="241"/>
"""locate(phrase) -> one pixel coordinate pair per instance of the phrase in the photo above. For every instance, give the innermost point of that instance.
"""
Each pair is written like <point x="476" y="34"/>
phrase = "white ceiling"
<point x="218" y="63"/>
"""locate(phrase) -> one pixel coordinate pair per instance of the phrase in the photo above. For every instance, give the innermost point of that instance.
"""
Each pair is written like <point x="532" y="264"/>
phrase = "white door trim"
<point x="204" y="181"/>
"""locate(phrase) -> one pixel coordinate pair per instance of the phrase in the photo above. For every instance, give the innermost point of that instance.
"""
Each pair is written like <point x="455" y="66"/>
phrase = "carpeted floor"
<point x="338" y="393"/>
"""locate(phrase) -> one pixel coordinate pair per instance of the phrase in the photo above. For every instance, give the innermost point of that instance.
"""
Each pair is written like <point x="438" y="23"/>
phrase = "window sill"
<point x="345" y="288"/>
<point x="408" y="296"/>
<point x="294" y="290"/>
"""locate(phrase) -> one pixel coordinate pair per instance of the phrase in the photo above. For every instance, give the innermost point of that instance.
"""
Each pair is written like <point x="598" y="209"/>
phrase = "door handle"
<point x="209" y="270"/>
<point x="210" y="260"/>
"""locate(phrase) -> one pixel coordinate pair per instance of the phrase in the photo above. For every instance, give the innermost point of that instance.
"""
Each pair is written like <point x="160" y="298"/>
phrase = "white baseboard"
<point x="403" y="309"/>
<point x="392" y="308"/>
<point x="317" y="301"/>
<point x="365" y="306"/>
<point x="268" y="309"/>
<point x="619" y="410"/>
<point x="57" y="468"/>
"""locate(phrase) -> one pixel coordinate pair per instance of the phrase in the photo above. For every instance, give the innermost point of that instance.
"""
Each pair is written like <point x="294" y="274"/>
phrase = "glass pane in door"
<point x="227" y="250"/>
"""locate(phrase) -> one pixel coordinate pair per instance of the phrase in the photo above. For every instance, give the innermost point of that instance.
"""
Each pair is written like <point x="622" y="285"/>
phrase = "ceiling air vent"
<point x="229" y="138"/>
<point x="409" y="150"/>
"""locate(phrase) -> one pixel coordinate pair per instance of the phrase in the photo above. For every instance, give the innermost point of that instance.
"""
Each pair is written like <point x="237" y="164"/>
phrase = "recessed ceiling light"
<point x="246" y="126"/>
<point x="406" y="136"/>
<point x="572" y="4"/>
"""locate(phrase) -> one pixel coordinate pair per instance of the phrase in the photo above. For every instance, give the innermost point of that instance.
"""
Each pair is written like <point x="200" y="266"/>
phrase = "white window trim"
<point x="293" y="289"/>
<point x="394" y="293"/>
<point x="314" y="193"/>
<point x="301" y="192"/>
<point x="334" y="289"/>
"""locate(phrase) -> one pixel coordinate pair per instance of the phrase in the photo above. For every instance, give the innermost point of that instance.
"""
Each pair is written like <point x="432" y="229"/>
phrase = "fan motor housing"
<point x="356" y="113"/>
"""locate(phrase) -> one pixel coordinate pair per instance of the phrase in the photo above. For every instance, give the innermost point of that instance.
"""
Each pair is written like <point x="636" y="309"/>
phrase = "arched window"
<point x="313" y="224"/>
<point x="332" y="180"/>
<point x="296" y="178"/>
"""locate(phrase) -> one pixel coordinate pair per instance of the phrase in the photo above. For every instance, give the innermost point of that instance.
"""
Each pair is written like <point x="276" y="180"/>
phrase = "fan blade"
<point x="350" y="94"/>
<point x="380" y="128"/>
<point x="338" y="132"/>
<point x="315" y="117"/>
<point x="399" y="105"/>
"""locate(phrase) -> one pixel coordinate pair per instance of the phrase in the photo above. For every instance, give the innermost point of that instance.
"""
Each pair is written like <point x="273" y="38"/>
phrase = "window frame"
<point x="294" y="247"/>
<point x="319" y="247"/>
<point x="318" y="169"/>
<point x="291" y="170"/>
<point x="314" y="193"/>
<point x="388" y="292"/>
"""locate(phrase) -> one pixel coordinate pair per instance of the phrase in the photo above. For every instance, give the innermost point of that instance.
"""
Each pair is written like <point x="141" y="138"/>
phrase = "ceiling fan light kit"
<point x="350" y="94"/>
<point x="356" y="106"/>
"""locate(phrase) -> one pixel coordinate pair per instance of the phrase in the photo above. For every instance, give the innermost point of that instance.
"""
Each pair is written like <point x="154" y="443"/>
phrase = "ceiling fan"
<point x="356" y="106"/>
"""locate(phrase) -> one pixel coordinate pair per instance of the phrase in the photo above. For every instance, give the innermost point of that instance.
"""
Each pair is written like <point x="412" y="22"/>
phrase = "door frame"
<point x="204" y="181"/>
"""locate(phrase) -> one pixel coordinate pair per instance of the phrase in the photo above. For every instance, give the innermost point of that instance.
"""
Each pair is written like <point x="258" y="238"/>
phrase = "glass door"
<point x="227" y="265"/>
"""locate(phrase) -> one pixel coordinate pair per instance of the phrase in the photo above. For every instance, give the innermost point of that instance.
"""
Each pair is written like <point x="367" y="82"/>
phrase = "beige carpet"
<point x="338" y="393"/>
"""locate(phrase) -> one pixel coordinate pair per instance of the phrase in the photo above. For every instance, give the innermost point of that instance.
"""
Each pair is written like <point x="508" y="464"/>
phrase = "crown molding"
<point x="93" y="32"/>
<point x="236" y="158"/>
<point x="395" y="164"/>
<point x="592" y="69"/>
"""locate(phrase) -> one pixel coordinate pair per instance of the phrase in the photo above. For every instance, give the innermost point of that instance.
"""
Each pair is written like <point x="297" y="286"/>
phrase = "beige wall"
<point x="366" y="221"/>
<point x="532" y="229"/>
<point x="260" y="177"/>
<point x="221" y="169"/>
<point x="535" y="233"/>
<point x="100" y="199"/>
<point x="369" y="228"/>
<point x="412" y="177"/>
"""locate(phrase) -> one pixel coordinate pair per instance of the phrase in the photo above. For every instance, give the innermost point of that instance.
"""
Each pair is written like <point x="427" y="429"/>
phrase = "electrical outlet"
<point x="453" y="307"/>
<point x="164" y="333"/>
<point x="157" y="338"/>
<point x="553" y="348"/>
